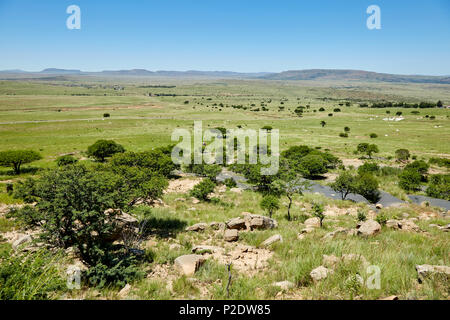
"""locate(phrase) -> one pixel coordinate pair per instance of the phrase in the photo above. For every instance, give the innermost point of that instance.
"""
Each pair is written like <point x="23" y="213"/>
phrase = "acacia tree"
<point x="16" y="158"/>
<point x="402" y="154"/>
<point x="270" y="203"/>
<point x="103" y="149"/>
<point x="345" y="184"/>
<point x="368" y="149"/>
<point x="289" y="184"/>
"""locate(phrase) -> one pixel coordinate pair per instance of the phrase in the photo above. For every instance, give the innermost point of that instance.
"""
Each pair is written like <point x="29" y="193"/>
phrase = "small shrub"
<point x="343" y="135"/>
<point x="361" y="216"/>
<point x="373" y="136"/>
<point x="202" y="190"/>
<point x="66" y="160"/>
<point x="230" y="183"/>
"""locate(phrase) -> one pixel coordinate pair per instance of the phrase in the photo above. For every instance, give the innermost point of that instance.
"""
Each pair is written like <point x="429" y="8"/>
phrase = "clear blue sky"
<point x="234" y="35"/>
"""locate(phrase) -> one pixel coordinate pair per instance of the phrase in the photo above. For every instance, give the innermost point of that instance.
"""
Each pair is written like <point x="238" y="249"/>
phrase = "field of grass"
<point x="60" y="117"/>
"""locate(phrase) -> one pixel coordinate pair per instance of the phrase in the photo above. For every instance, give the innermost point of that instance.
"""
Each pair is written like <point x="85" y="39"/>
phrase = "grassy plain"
<point x="58" y="117"/>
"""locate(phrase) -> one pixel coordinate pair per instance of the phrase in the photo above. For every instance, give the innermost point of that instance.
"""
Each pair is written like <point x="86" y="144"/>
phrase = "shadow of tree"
<point x="162" y="227"/>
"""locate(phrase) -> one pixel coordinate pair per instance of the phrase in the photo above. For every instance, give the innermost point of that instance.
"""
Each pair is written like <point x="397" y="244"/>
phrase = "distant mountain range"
<point x="310" y="75"/>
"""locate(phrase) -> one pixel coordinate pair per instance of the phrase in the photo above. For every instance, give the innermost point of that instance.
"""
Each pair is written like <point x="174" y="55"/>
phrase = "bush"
<point x="17" y="158"/>
<point x="367" y="186"/>
<point x="373" y="136"/>
<point x="439" y="187"/>
<point x="368" y="167"/>
<point x="270" y="204"/>
<point x="322" y="109"/>
<point x="314" y="165"/>
<point x="337" y="110"/>
<point x="347" y="129"/>
<point x="203" y="189"/>
<point x="210" y="171"/>
<point x="441" y="162"/>
<point x="410" y="180"/>
<point x="343" y="135"/>
<point x="66" y="160"/>
<point x="230" y="183"/>
<point x="361" y="216"/>
<point x="418" y="165"/>
<point x="402" y="154"/>
<point x="103" y="149"/>
<point x="268" y="128"/>
<point x="381" y="218"/>
<point x="106" y="115"/>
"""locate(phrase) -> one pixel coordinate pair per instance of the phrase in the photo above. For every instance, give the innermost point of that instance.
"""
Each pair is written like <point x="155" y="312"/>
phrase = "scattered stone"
<point x="236" y="223"/>
<point x="307" y="230"/>
<point x="192" y="209"/>
<point x="175" y="246"/>
<point x="312" y="222"/>
<point x="409" y="225"/>
<point x="330" y="261"/>
<point x="332" y="234"/>
<point x="445" y="228"/>
<point x="272" y="240"/>
<point x="189" y="264"/>
<point x="393" y="224"/>
<point x="379" y="206"/>
<point x="217" y="225"/>
<point x="125" y="291"/>
<point x="284" y="285"/>
<point x="236" y="190"/>
<point x="22" y="240"/>
<point x="231" y="235"/>
<point x="254" y="221"/>
<point x="197" y="227"/>
<point x="320" y="273"/>
<point x="346" y="258"/>
<point x="369" y="228"/>
<point x="424" y="271"/>
<point x="389" y="298"/>
<point x="180" y="200"/>
<point x="195" y="201"/>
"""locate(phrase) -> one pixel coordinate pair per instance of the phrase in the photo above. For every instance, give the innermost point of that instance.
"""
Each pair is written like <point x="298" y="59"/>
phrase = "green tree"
<point x="314" y="165"/>
<point x="410" y="179"/>
<point x="103" y="149"/>
<point x="345" y="184"/>
<point x="270" y="204"/>
<point x="368" y="149"/>
<point x="402" y="154"/>
<point x="439" y="186"/>
<point x="16" y="158"/>
<point x="317" y="212"/>
<point x="367" y="186"/>
<point x="323" y="123"/>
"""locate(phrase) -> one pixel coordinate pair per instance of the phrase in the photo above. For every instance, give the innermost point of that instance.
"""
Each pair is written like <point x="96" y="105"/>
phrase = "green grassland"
<point x="66" y="116"/>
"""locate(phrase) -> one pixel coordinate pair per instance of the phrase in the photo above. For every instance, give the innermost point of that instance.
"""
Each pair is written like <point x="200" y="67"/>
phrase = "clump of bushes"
<point x="202" y="190"/>
<point x="66" y="160"/>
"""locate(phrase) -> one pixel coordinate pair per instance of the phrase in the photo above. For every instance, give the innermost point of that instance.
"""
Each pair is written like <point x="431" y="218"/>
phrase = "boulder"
<point x="254" y="221"/>
<point x="320" y="273"/>
<point x="409" y="225"/>
<point x="369" y="228"/>
<point x="197" y="227"/>
<point x="332" y="234"/>
<point x="189" y="264"/>
<point x="236" y="223"/>
<point x="22" y="240"/>
<point x="393" y="224"/>
<point x="424" y="271"/>
<point x="272" y="240"/>
<point x="125" y="291"/>
<point x="312" y="222"/>
<point x="330" y="261"/>
<point x="379" y="206"/>
<point x="284" y="285"/>
<point x="217" y="225"/>
<point x="231" y="235"/>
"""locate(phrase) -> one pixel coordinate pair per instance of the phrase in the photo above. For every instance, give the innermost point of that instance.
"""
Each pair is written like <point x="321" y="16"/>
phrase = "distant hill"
<point x="355" y="75"/>
<point x="313" y="75"/>
<point x="60" y="71"/>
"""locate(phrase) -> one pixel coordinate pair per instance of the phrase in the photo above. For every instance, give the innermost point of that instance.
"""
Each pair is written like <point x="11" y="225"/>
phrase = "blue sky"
<point x="242" y="35"/>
